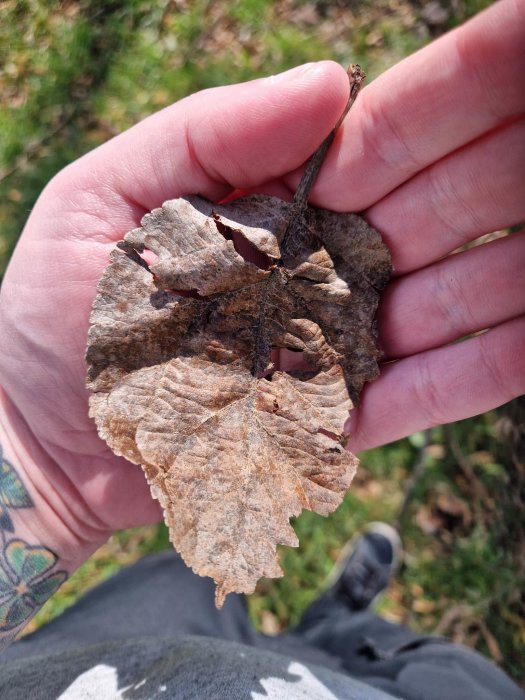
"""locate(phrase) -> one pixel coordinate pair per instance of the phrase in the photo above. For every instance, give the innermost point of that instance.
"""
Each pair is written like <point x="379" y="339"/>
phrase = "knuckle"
<point x="426" y="392"/>
<point x="451" y="301"/>
<point x="386" y="138"/>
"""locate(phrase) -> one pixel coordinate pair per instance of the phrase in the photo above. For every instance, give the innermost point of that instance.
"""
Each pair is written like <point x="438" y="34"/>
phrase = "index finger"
<point x="432" y="103"/>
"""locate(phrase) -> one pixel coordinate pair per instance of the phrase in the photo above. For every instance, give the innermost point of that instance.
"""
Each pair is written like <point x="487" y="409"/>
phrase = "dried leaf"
<point x="180" y="368"/>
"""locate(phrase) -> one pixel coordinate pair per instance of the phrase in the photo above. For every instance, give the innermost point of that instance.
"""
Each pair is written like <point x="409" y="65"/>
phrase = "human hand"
<point x="433" y="153"/>
<point x="409" y="154"/>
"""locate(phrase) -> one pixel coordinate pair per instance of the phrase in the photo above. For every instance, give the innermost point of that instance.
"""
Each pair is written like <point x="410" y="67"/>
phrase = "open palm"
<point x="433" y="152"/>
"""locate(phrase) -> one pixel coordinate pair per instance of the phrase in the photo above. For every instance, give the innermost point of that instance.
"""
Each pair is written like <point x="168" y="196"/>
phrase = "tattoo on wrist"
<point x="28" y="573"/>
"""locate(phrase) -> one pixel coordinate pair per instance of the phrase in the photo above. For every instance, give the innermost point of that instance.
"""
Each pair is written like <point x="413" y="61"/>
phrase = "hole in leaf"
<point x="145" y="260"/>
<point x="288" y="360"/>
<point x="243" y="246"/>
<point x="149" y="257"/>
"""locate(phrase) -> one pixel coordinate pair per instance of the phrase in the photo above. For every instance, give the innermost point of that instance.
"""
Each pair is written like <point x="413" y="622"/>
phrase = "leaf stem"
<point x="295" y="236"/>
<point x="356" y="77"/>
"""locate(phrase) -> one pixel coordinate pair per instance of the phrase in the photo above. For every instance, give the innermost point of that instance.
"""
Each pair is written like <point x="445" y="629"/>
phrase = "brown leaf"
<point x="179" y="356"/>
<point x="184" y="385"/>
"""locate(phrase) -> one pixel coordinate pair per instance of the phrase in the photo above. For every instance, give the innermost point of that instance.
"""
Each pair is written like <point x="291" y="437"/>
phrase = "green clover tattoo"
<point x="13" y="493"/>
<point x="24" y="585"/>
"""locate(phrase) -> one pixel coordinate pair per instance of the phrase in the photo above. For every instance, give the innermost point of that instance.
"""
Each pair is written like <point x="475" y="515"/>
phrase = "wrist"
<point x="50" y="514"/>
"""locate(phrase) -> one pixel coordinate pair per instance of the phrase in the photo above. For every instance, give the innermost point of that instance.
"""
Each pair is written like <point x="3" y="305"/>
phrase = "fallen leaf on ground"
<point x="179" y="356"/>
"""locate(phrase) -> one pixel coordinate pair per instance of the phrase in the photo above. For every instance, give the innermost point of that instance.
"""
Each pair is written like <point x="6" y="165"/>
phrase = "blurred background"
<point x="75" y="73"/>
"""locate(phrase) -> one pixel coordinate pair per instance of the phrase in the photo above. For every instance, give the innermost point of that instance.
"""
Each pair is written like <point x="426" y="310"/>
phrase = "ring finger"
<point x="462" y="294"/>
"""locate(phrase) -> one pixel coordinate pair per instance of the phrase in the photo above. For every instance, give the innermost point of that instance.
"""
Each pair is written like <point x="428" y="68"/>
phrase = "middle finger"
<point x="477" y="189"/>
<point x="464" y="293"/>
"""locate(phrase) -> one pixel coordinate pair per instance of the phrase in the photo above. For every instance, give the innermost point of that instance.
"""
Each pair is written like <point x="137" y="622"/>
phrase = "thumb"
<point x="239" y="136"/>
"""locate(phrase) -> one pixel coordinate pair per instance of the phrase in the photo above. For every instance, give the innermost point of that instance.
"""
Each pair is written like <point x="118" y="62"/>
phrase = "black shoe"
<point x="364" y="567"/>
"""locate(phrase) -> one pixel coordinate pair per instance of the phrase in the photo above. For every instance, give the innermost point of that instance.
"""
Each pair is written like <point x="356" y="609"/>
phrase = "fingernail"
<point x="291" y="74"/>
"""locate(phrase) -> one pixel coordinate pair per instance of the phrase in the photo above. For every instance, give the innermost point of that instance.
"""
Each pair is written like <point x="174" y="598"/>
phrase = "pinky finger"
<point x="441" y="386"/>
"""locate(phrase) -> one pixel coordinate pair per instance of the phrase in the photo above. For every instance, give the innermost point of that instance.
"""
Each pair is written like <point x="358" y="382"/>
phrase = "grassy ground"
<point x="72" y="74"/>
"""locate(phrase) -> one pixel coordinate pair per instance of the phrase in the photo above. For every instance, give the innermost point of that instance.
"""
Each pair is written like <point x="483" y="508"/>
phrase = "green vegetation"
<point x="73" y="74"/>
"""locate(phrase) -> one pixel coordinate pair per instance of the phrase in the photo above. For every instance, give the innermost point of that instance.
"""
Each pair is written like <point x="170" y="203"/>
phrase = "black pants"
<point x="159" y="596"/>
